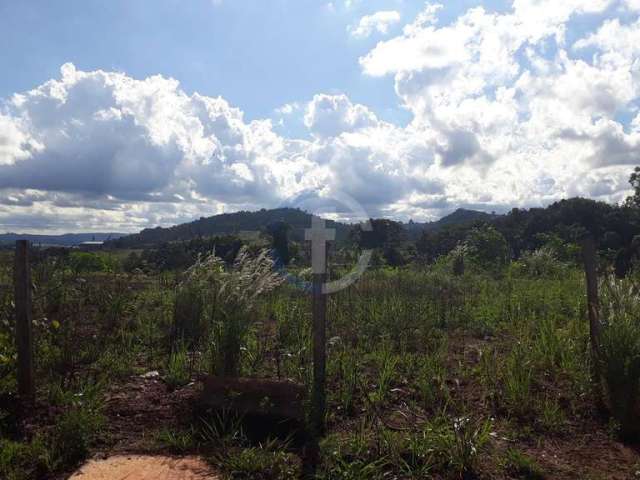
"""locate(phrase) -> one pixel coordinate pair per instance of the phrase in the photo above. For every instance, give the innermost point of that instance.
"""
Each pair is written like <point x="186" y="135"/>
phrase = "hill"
<point x="461" y="216"/>
<point x="64" y="240"/>
<point x="238" y="223"/>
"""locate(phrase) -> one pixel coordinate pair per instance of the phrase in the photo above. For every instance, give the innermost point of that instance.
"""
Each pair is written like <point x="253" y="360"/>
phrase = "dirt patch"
<point x="140" y="408"/>
<point x="145" y="468"/>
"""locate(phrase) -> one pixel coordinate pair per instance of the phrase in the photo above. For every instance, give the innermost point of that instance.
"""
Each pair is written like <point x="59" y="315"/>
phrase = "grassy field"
<point x="430" y="375"/>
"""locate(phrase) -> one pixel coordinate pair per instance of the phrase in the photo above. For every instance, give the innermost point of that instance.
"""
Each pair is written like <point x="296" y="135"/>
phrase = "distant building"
<point x="90" y="246"/>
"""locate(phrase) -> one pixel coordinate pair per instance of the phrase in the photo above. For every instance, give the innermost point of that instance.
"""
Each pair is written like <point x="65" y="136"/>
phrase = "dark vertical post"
<point x="24" y="334"/>
<point x="318" y="399"/>
<point x="590" y="258"/>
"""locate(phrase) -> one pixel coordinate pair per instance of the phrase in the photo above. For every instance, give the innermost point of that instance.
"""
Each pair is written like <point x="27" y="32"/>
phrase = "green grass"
<point x="412" y="352"/>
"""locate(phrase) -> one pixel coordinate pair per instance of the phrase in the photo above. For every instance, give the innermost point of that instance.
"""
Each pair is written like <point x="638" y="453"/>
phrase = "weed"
<point x="177" y="441"/>
<point x="386" y="363"/>
<point x="431" y="381"/>
<point x="179" y="368"/>
<point x="517" y="378"/>
<point x="264" y="462"/>
<point x="551" y="417"/>
<point x="518" y="464"/>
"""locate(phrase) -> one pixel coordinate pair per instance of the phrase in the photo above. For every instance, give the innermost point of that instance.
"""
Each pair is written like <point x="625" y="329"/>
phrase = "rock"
<point x="150" y="375"/>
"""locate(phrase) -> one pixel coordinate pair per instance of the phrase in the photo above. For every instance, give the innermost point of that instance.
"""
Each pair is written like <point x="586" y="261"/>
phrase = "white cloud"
<point x="331" y="115"/>
<point x="632" y="5"/>
<point x="378" y="22"/>
<point x="107" y="137"/>
<point x="506" y="112"/>
<point x="288" y="108"/>
<point x="530" y="129"/>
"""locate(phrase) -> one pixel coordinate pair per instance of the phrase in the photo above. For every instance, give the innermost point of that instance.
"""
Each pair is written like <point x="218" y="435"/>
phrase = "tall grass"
<point x="230" y="301"/>
<point x="620" y="352"/>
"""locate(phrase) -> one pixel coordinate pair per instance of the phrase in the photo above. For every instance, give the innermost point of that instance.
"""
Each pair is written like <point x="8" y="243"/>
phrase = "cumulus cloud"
<point x="379" y="22"/>
<point x="505" y="97"/>
<point x="331" y="115"/>
<point x="104" y="133"/>
<point x="506" y="111"/>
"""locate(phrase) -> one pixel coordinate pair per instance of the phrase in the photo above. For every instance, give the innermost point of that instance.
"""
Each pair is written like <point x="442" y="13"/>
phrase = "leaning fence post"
<point x="23" y="309"/>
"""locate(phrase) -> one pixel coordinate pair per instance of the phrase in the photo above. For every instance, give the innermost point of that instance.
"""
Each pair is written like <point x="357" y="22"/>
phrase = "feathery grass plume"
<point x="540" y="263"/>
<point x="231" y="295"/>
<point x="620" y="352"/>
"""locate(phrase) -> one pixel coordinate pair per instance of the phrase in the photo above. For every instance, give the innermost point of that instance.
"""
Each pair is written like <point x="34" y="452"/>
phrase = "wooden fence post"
<point x="590" y="259"/>
<point x="318" y="398"/>
<point x="319" y="236"/>
<point x="24" y="316"/>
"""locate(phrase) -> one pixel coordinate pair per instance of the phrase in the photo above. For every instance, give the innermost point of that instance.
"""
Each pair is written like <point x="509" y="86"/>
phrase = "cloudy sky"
<point x="127" y="114"/>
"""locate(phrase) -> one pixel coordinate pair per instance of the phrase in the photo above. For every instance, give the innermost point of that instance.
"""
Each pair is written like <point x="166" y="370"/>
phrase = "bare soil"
<point x="137" y="467"/>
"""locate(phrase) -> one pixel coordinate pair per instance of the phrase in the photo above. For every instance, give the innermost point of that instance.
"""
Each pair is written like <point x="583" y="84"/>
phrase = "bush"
<point x="523" y="466"/>
<point x="488" y="248"/>
<point x="86" y="262"/>
<point x="231" y="299"/>
<point x="620" y="353"/>
<point x="63" y="447"/>
<point x="23" y="461"/>
<point x="540" y="263"/>
<point x="189" y="320"/>
<point x="258" y="463"/>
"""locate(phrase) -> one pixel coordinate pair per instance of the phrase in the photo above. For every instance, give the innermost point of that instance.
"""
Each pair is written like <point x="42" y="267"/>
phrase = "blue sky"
<point x="410" y="108"/>
<point x="258" y="54"/>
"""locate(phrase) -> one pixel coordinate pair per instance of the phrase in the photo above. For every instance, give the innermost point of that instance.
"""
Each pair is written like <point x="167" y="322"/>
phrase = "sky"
<point x="129" y="114"/>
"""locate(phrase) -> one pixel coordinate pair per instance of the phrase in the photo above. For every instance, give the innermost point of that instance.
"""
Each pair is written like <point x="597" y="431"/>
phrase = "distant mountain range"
<point x="243" y="222"/>
<point x="238" y="223"/>
<point x="459" y="217"/>
<point x="65" y="240"/>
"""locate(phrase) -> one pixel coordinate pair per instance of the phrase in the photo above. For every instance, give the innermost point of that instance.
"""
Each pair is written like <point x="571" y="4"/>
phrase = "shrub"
<point x="178" y="369"/>
<point x="264" y="462"/>
<point x="540" y="263"/>
<point x="488" y="248"/>
<point x="23" y="461"/>
<point x="523" y="466"/>
<point x="84" y="262"/>
<point x="620" y="352"/>
<point x="189" y="321"/>
<point x="231" y="299"/>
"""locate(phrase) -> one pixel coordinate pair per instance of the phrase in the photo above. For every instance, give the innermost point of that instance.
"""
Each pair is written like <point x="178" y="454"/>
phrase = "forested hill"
<point x="230" y="223"/>
<point x="459" y="217"/>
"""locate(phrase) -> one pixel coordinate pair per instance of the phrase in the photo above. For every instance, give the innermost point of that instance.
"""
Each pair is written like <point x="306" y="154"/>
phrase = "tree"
<point x="383" y="233"/>
<point x="434" y="244"/>
<point x="634" y="180"/>
<point x="279" y="233"/>
<point x="488" y="247"/>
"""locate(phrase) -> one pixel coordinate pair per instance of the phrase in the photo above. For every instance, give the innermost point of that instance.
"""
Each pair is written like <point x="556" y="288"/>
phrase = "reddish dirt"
<point x="145" y="468"/>
<point x="139" y="409"/>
